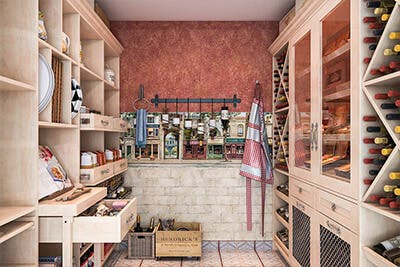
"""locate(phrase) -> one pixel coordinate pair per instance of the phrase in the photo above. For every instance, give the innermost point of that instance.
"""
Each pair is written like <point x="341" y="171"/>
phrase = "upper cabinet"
<point x="321" y="114"/>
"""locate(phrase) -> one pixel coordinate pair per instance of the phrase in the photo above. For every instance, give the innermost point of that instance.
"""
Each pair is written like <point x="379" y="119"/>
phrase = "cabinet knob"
<point x="104" y="122"/>
<point x="300" y="190"/>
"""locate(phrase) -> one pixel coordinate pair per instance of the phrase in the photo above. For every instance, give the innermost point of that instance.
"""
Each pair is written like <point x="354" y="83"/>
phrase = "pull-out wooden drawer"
<point x="120" y="125"/>
<point x="96" y="175"/>
<point x="340" y="210"/>
<point x="302" y="191"/>
<point x="95" y="121"/>
<point x="105" y="229"/>
<point x="94" y="229"/>
<point x="120" y="166"/>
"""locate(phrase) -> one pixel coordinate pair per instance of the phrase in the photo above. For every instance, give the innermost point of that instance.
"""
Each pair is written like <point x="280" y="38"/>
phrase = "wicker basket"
<point x="142" y="245"/>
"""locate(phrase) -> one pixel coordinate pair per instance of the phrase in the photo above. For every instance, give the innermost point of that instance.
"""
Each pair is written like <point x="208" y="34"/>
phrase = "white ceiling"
<point x="196" y="10"/>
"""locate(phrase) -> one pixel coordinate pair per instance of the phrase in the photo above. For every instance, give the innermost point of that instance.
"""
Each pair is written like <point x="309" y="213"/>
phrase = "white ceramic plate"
<point x="46" y="83"/>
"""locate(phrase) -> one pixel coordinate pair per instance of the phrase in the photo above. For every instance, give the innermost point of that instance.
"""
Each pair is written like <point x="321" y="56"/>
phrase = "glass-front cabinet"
<point x="322" y="87"/>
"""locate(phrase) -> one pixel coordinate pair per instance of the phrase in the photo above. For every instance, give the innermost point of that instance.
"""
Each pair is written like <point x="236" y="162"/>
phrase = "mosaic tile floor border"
<point x="215" y="254"/>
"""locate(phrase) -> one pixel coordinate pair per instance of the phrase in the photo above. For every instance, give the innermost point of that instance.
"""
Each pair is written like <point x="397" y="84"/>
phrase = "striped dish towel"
<point x="141" y="128"/>
<point x="256" y="163"/>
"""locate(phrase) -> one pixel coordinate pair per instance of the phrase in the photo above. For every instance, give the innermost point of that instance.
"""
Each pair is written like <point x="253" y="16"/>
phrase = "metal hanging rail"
<point x="156" y="100"/>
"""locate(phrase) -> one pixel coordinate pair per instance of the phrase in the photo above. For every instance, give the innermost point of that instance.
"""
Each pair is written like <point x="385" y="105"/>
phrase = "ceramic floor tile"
<point x="245" y="246"/>
<point x="249" y="259"/>
<point x="271" y="259"/>
<point x="230" y="258"/>
<point x="210" y="259"/>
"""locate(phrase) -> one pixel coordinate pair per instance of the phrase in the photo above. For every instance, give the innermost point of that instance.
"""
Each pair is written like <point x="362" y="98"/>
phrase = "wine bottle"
<point x="151" y="225"/>
<point x="379" y="161"/>
<point x="382" y="10"/>
<point x="389" y="188"/>
<point x="388" y="106"/>
<point x="387" y="245"/>
<point x="370" y="19"/>
<point x="394" y="205"/>
<point x="397" y="129"/>
<point x="386" y="200"/>
<point x="394" y="253"/>
<point x="394" y="65"/>
<point x="397" y="191"/>
<point x="389" y="52"/>
<point x="374" y="151"/>
<point x="393" y="93"/>
<point x="385" y="69"/>
<point x="381" y="96"/>
<point x="375" y="198"/>
<point x="368" y="181"/>
<point x="386" y="151"/>
<point x="369" y="118"/>
<point x="375" y="129"/>
<point x="368" y="160"/>
<point x="368" y="140"/>
<point x="370" y="40"/>
<point x="394" y="175"/>
<point x="373" y="172"/>
<point x="367" y="60"/>
<point x="396" y="48"/>
<point x="381" y="140"/>
<point x="372" y="47"/>
<point x="138" y="228"/>
<point x="394" y="35"/>
<point x="385" y="17"/>
<point x="376" y="25"/>
<point x="393" y="116"/>
<point x="377" y="32"/>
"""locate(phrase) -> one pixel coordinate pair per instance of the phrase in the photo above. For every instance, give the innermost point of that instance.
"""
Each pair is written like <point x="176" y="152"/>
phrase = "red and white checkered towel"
<point x="256" y="163"/>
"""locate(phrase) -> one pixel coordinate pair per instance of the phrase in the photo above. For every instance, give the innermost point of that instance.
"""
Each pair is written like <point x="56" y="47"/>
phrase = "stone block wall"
<point x="213" y="194"/>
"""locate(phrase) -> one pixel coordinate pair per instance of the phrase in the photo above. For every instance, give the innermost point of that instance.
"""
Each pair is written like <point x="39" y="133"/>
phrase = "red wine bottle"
<point x="370" y="19"/>
<point x="381" y="96"/>
<point x="369" y="118"/>
<point x="374" y="151"/>
<point x="393" y="93"/>
<point x="368" y="181"/>
<point x="368" y="140"/>
<point x="367" y="60"/>
<point x="376" y="25"/>
<point x="394" y="65"/>
<point x="370" y="40"/>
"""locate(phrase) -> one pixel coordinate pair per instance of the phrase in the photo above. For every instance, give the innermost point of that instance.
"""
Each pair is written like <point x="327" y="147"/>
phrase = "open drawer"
<point x="110" y="229"/>
<point x="91" y="229"/>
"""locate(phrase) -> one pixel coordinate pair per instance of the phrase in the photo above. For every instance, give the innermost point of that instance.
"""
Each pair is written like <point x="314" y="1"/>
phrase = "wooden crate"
<point x="179" y="243"/>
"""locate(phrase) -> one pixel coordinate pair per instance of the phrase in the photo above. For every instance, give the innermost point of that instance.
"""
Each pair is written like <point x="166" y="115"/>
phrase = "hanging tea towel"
<point x="141" y="128"/>
<point x="256" y="163"/>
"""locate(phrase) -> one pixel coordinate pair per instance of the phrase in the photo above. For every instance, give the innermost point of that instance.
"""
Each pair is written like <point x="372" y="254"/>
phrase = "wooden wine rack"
<point x="280" y="161"/>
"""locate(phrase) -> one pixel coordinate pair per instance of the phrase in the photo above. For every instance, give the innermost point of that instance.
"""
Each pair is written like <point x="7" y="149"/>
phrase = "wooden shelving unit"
<point x="18" y="94"/>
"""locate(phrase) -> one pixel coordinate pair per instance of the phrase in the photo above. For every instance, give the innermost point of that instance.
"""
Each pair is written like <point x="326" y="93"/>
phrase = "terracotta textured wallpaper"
<point x="195" y="59"/>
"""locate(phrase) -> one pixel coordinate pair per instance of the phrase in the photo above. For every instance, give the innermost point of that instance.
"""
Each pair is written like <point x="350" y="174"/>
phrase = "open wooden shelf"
<point x="55" y="52"/>
<point x="282" y="109"/>
<point x="343" y="92"/>
<point x="12" y="229"/>
<point x="7" y="84"/>
<point x="281" y="195"/>
<point x="377" y="259"/>
<point x="337" y="53"/>
<point x="388" y="79"/>
<point x="281" y="220"/>
<point x="281" y="248"/>
<point x="10" y="213"/>
<point x="109" y="86"/>
<point x="281" y="171"/>
<point x="55" y="125"/>
<point x="89" y="75"/>
<point x="392" y="214"/>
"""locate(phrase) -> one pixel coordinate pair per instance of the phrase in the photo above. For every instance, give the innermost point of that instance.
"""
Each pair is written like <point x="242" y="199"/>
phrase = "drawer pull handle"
<point x="333" y="206"/>
<point x="105" y="123"/>
<point x="85" y="121"/>
<point x="300" y="190"/>
<point x="122" y="165"/>
<point x="105" y="171"/>
<point x="122" y="125"/>
<point x="131" y="218"/>
<point x="333" y="228"/>
<point x="300" y="206"/>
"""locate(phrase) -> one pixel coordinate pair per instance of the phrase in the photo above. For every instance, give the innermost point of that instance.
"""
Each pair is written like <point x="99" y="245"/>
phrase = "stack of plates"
<point x="46" y="83"/>
<point x="77" y="97"/>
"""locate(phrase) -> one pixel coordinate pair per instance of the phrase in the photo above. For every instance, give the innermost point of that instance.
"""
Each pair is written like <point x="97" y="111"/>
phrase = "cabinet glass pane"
<point x="302" y="102"/>
<point x="335" y="116"/>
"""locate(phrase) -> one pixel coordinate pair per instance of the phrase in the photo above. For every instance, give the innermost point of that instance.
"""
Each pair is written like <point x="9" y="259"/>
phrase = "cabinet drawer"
<point x="338" y="209"/>
<point x="120" y="125"/>
<point x="120" y="166"/>
<point x="302" y="191"/>
<point x="95" y="175"/>
<point x="111" y="229"/>
<point x="96" y="121"/>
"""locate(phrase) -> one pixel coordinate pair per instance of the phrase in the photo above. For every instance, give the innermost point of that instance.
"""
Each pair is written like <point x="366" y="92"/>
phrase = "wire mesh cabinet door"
<point x="338" y="246"/>
<point x="303" y="225"/>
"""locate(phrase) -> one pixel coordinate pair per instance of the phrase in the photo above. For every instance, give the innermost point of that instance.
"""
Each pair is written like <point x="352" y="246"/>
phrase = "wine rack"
<point x="280" y="151"/>
<point x="381" y="86"/>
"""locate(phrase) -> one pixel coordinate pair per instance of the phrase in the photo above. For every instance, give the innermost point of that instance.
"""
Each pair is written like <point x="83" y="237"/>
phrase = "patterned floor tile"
<point x="249" y="259"/>
<point x="228" y="245"/>
<point x="210" y="245"/>
<point x="245" y="245"/>
<point x="271" y="259"/>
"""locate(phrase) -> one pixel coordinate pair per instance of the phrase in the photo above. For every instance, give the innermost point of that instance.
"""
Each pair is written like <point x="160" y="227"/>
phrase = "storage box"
<point x="179" y="243"/>
<point x="142" y="245"/>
